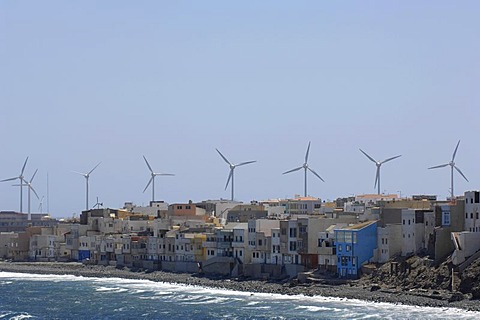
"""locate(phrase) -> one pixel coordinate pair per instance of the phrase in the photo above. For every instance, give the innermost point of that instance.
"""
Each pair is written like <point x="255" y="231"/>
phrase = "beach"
<point x="351" y="290"/>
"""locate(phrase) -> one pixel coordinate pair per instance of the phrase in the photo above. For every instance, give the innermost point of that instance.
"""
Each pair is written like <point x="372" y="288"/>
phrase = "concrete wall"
<point x="468" y="243"/>
<point x="443" y="241"/>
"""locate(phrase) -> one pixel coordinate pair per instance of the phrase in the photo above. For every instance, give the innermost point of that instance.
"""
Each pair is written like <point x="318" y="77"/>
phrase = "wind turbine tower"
<point x="87" y="176"/>
<point x="452" y="165"/>
<point x="21" y="182"/>
<point x="30" y="188"/>
<point x="232" y="170"/>
<point x="306" y="168"/>
<point x="152" y="178"/>
<point x="379" y="165"/>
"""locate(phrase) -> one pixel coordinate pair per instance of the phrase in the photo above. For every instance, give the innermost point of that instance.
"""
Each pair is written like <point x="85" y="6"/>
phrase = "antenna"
<point x="306" y="167"/>
<point x="379" y="165"/>
<point x="48" y="196"/>
<point x="232" y="170"/>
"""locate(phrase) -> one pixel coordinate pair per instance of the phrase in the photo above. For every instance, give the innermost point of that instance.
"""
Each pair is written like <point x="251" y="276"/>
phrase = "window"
<point x="446" y="218"/>
<point x="403" y="221"/>
<point x="347" y="247"/>
<point x="408" y="221"/>
<point x="293" y="245"/>
<point x="339" y="247"/>
<point x="348" y="236"/>
<point x="293" y="232"/>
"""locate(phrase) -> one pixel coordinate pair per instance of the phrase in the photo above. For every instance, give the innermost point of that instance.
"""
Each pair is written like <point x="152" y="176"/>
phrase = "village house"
<point x="355" y="245"/>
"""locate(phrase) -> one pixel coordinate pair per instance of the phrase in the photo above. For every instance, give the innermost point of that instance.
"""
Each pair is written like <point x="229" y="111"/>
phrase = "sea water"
<point x="69" y="297"/>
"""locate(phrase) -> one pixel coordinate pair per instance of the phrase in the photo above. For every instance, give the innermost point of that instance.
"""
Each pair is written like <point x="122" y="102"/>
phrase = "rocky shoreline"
<point x="351" y="290"/>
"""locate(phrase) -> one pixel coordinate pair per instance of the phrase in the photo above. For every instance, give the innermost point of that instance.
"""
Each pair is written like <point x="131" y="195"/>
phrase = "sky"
<point x="88" y="82"/>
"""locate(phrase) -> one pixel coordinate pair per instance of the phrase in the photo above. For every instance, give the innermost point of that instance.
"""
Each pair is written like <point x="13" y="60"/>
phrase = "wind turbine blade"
<point x="455" y="152"/>
<point x="296" y="169"/>
<point x="164" y="174"/>
<point x="229" y="177"/>
<point x="149" y="181"/>
<point x="308" y="151"/>
<point x="24" y="165"/>
<point x="459" y="171"/>
<point x="33" y="176"/>
<point x="82" y="174"/>
<point x="440" y="166"/>
<point x="312" y="171"/>
<point x="373" y="160"/>
<point x="390" y="159"/>
<point x="35" y="192"/>
<point x="376" y="177"/>
<point x="221" y="155"/>
<point x="93" y="169"/>
<point x="10" y="179"/>
<point x="244" y="163"/>
<point x="148" y="164"/>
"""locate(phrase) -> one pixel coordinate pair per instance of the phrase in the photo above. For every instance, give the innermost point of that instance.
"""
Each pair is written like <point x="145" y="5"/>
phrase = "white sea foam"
<point x="103" y="289"/>
<point x="21" y="316"/>
<point x="181" y="292"/>
<point x="318" y="308"/>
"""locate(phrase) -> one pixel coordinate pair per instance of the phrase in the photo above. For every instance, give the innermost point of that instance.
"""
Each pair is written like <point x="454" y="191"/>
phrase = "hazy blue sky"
<point x="111" y="81"/>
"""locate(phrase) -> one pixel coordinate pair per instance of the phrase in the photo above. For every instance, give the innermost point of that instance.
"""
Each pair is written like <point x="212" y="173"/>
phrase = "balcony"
<point x="327" y="250"/>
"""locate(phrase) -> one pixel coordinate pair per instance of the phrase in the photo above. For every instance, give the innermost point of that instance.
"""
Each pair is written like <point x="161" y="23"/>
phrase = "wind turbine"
<point x="22" y="180"/>
<point x="98" y="204"/>
<point x="232" y="170"/>
<point x="152" y="178"/>
<point x="87" y="176"/>
<point x="30" y="188"/>
<point x="379" y="165"/>
<point x="452" y="165"/>
<point x="306" y="167"/>
<point x="40" y="206"/>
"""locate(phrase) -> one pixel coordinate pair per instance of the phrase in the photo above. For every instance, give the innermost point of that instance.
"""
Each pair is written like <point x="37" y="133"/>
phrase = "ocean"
<point x="25" y="296"/>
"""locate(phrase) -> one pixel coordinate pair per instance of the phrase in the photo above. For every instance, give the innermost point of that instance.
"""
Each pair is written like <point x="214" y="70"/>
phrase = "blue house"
<point x="355" y="245"/>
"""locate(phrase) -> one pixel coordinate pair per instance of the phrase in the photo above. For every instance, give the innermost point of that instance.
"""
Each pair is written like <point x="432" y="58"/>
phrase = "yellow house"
<point x="198" y="248"/>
